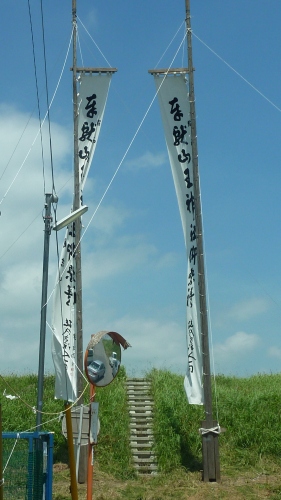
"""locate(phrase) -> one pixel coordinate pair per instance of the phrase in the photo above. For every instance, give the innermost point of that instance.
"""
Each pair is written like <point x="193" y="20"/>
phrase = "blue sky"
<point x="134" y="263"/>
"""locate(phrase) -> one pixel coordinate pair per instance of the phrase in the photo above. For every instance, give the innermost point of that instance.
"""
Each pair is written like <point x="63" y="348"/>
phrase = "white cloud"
<point x="239" y="343"/>
<point x="22" y="188"/>
<point x="248" y="309"/>
<point x="109" y="251"/>
<point x="274" y="352"/>
<point x="22" y="229"/>
<point x="92" y="18"/>
<point x="147" y="160"/>
<point x="20" y="357"/>
<point x="107" y="221"/>
<point x="21" y="153"/>
<point x="243" y="311"/>
<point x="235" y="354"/>
<point x="155" y="344"/>
<point x="125" y="255"/>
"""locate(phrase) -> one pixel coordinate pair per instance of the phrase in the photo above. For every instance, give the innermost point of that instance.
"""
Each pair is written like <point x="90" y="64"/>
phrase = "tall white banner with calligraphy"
<point x="175" y="111"/>
<point x="92" y="100"/>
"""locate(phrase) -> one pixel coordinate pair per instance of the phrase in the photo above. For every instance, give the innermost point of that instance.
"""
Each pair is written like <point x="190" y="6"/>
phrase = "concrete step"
<point x="139" y="440"/>
<point x="144" y="460"/>
<point x="137" y="381"/>
<point x="146" y="469"/>
<point x="141" y="446"/>
<point x="140" y="407"/>
<point x="136" y="395"/>
<point x="140" y="402"/>
<point x="143" y="433"/>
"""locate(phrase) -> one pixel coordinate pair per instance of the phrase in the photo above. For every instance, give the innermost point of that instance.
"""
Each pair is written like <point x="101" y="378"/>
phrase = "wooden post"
<point x="90" y="451"/>
<point x="211" y="466"/>
<point x="76" y="205"/>
<point x="73" y="480"/>
<point x="1" y="458"/>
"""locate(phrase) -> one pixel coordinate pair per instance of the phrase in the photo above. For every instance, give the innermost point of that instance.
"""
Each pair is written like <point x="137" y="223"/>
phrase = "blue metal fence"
<point x="28" y="465"/>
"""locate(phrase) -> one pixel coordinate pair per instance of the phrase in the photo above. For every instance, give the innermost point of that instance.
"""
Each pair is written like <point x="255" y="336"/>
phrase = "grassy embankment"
<point x="250" y="449"/>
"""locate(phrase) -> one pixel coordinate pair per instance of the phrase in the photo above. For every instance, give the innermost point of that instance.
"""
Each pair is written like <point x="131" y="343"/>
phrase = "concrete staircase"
<point x="141" y="415"/>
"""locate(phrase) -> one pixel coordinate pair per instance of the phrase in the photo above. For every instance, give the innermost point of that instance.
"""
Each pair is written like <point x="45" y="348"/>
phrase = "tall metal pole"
<point x="210" y="443"/>
<point x="47" y="219"/>
<point x="49" y="198"/>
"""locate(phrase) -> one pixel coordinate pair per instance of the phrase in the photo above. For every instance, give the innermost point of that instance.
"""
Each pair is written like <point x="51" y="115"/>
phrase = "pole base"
<point x="210" y="449"/>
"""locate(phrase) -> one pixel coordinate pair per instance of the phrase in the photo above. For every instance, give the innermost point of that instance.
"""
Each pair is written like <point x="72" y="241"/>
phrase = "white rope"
<point x="214" y="430"/>
<point x="18" y="436"/>
<point x="119" y="166"/>
<point x="114" y="175"/>
<point x="116" y="171"/>
<point x="169" y="44"/>
<point x="237" y="73"/>
<point x="209" y="315"/>
<point x="130" y="145"/>
<point x="94" y="42"/>
<point x="57" y="417"/>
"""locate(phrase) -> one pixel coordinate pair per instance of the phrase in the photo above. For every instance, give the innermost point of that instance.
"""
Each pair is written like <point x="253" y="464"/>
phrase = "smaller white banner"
<point x="92" y="98"/>
<point x="64" y="322"/>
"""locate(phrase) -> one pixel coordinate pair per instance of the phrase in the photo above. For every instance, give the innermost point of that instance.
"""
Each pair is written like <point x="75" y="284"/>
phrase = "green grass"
<point x="249" y="409"/>
<point x="113" y="442"/>
<point x="176" y="423"/>
<point x="18" y="416"/>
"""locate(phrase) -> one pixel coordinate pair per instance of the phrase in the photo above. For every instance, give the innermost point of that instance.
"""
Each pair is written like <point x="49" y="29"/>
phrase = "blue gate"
<point x="28" y="465"/>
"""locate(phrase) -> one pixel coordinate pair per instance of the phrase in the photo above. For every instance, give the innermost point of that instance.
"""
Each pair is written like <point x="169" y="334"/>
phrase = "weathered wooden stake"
<point x="71" y="456"/>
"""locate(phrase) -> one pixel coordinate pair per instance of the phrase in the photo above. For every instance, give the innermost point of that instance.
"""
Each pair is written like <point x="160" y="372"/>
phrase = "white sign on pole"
<point x="95" y="423"/>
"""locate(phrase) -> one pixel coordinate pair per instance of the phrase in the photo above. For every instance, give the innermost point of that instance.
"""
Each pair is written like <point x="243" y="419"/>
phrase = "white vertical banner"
<point x="64" y="342"/>
<point x="92" y="98"/>
<point x="175" y="111"/>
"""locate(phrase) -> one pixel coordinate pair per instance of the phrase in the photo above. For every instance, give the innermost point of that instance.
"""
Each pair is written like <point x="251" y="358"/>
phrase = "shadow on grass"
<point x="189" y="460"/>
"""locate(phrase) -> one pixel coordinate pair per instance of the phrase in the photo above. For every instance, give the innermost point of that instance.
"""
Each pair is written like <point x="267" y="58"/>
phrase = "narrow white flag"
<point x="92" y="100"/>
<point x="175" y="111"/>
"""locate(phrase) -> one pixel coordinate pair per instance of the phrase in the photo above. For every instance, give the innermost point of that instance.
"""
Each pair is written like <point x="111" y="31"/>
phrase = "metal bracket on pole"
<point x="79" y="439"/>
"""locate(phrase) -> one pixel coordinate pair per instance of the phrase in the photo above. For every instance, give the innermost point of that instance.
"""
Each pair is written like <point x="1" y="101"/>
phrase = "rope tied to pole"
<point x="213" y="430"/>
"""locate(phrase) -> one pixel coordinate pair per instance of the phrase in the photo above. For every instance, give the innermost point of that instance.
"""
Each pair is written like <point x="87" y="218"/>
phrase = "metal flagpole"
<point x="49" y="199"/>
<point x="47" y="219"/>
<point x="211" y="466"/>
